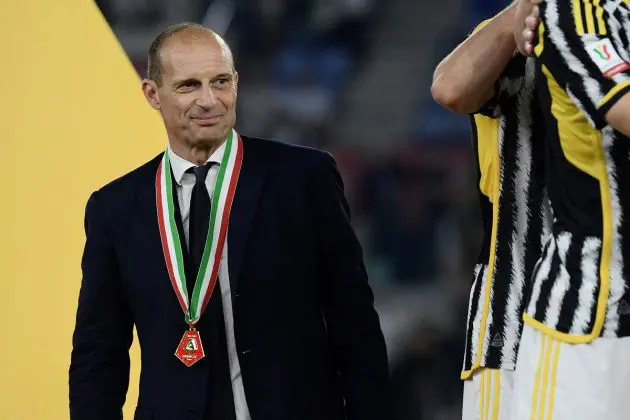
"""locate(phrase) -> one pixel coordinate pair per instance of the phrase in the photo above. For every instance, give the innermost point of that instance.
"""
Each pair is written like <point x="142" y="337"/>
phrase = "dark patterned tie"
<point x="199" y="219"/>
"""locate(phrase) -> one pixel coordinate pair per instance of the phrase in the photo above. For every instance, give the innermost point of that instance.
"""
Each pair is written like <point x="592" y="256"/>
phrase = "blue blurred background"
<point x="353" y="77"/>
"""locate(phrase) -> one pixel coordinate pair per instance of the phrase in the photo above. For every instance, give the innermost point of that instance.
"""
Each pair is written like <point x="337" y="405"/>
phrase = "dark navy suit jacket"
<point x="308" y="338"/>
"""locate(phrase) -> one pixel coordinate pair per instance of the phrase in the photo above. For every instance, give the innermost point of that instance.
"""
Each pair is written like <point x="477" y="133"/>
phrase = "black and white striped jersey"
<point x="508" y="140"/>
<point x="580" y="289"/>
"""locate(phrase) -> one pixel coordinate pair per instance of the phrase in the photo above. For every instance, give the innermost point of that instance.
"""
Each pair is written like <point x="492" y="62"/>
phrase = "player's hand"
<point x="531" y="27"/>
<point x="527" y="19"/>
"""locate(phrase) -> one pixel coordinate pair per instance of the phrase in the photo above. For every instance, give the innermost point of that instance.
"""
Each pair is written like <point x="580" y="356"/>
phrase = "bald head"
<point x="183" y="33"/>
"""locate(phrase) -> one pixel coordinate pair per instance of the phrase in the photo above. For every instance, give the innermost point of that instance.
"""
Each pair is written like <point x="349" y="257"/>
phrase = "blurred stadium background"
<point x="353" y="77"/>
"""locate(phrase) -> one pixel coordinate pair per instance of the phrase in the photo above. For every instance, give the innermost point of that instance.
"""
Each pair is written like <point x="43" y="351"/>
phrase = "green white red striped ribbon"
<point x="224" y="189"/>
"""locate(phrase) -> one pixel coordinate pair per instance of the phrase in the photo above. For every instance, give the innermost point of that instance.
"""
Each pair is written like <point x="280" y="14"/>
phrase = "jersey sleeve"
<point x="582" y="47"/>
<point x="507" y="88"/>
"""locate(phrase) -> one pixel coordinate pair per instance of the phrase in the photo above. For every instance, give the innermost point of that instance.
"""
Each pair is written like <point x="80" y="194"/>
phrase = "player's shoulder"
<point x="480" y="26"/>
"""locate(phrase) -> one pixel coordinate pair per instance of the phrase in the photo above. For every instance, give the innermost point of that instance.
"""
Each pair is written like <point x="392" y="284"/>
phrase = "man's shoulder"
<point x="131" y="181"/>
<point x="282" y="154"/>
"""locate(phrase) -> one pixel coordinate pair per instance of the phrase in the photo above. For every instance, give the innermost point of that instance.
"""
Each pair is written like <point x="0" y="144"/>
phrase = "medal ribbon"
<point x="224" y="189"/>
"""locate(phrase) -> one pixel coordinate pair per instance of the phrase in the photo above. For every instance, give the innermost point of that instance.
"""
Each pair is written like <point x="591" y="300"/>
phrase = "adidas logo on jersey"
<point x="624" y="308"/>
<point x="497" y="341"/>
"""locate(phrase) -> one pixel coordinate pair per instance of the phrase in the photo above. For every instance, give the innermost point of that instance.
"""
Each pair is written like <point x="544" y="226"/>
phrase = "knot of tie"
<point x="201" y="172"/>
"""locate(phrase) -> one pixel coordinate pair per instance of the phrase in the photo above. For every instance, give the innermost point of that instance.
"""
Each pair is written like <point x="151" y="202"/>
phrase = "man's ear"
<point x="150" y="90"/>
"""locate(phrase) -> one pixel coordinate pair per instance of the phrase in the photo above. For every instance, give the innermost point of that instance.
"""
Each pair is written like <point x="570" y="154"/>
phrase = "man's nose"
<point x="207" y="97"/>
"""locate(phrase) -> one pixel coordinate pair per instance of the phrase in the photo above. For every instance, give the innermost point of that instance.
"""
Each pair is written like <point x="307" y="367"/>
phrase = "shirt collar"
<point x="179" y="165"/>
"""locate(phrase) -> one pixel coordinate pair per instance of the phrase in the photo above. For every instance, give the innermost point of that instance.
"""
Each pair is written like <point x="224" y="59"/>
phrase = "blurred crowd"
<point x="306" y="68"/>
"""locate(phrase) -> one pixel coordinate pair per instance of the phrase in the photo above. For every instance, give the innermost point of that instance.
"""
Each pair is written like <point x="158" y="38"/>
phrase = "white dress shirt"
<point x="184" y="186"/>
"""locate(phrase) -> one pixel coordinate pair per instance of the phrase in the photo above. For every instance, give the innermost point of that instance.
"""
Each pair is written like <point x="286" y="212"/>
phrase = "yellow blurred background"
<point x="72" y="118"/>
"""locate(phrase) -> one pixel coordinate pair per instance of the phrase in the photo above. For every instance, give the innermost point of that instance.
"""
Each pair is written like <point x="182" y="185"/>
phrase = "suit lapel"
<point x="244" y="207"/>
<point x="147" y="209"/>
<point x="148" y="200"/>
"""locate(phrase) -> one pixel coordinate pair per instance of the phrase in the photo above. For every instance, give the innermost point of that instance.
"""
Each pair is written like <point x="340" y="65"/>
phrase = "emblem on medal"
<point x="190" y="349"/>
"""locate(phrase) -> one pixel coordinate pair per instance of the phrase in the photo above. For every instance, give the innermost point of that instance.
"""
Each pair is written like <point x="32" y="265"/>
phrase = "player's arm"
<point x="467" y="78"/>
<point x="581" y="52"/>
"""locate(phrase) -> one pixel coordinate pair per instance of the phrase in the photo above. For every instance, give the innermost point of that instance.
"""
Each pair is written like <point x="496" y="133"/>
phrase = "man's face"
<point x="197" y="96"/>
